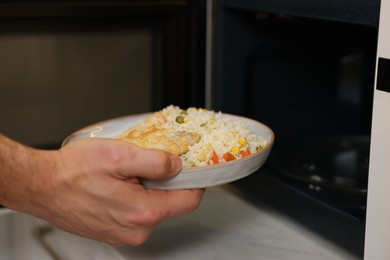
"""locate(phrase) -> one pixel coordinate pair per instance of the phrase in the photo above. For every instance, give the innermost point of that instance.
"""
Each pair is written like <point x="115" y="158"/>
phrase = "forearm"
<point x="22" y="174"/>
<point x="91" y="188"/>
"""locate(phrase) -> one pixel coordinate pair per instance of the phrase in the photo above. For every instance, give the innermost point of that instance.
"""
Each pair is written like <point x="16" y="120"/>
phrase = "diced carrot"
<point x="245" y="153"/>
<point x="214" y="158"/>
<point x="228" y="157"/>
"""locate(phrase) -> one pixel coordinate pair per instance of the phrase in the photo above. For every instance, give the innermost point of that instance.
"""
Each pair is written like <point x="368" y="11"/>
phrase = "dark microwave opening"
<point x="311" y="81"/>
<point x="309" y="78"/>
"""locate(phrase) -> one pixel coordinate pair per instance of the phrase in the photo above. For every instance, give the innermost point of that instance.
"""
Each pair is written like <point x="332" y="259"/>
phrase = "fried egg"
<point x="150" y="134"/>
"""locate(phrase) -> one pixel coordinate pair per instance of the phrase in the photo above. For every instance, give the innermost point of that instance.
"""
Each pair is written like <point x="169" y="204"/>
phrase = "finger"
<point x="175" y="202"/>
<point x="121" y="159"/>
<point x="146" y="163"/>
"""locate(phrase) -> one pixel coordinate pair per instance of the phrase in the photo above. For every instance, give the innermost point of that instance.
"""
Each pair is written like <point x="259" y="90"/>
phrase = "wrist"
<point x="25" y="176"/>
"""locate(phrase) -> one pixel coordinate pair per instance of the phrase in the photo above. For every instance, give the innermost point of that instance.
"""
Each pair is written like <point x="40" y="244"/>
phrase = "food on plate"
<point x="201" y="137"/>
<point x="153" y="134"/>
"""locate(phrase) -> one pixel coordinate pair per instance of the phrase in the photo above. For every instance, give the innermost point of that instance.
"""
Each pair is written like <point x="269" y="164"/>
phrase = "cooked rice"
<point x="218" y="133"/>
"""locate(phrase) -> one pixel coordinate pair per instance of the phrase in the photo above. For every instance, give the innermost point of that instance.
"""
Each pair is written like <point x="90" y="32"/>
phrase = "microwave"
<point x="316" y="72"/>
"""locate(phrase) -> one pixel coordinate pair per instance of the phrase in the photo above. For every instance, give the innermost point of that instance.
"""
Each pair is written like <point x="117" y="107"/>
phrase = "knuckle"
<point x="149" y="217"/>
<point x="197" y="198"/>
<point x="195" y="206"/>
<point x="136" y="238"/>
<point x="161" y="164"/>
<point x="114" y="154"/>
<point x="141" y="217"/>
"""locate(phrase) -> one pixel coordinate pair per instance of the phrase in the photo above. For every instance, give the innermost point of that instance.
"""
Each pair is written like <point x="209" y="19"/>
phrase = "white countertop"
<point x="224" y="227"/>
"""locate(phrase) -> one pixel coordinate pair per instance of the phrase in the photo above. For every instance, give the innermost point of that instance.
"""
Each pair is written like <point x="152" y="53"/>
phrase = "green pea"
<point x="180" y="119"/>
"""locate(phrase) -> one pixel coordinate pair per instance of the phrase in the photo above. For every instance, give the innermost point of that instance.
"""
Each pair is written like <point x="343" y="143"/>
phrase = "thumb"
<point x="133" y="161"/>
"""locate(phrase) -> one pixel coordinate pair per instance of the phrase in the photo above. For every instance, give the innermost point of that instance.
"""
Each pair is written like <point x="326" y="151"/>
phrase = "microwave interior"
<point x="311" y="81"/>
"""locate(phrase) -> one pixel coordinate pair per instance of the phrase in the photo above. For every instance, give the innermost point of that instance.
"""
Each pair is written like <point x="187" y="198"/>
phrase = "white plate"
<point x="199" y="177"/>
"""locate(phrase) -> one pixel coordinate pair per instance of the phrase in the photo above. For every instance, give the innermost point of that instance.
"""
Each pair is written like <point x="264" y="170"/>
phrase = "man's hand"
<point x="91" y="188"/>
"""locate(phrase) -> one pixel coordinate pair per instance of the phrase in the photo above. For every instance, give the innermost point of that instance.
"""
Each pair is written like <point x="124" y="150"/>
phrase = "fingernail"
<point x="175" y="163"/>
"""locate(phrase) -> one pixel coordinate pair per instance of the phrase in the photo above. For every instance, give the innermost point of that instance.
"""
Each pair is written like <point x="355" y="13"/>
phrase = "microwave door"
<point x="378" y="204"/>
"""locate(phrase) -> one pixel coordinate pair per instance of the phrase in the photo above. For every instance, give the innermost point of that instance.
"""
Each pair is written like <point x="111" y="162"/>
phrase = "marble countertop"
<point x="224" y="227"/>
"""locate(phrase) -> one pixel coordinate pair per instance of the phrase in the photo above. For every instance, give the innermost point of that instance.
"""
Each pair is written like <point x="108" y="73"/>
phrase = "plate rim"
<point x="186" y="170"/>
